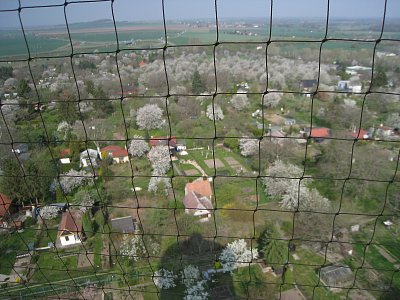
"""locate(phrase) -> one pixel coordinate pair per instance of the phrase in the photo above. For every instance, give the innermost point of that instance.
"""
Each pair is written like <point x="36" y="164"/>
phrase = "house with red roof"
<point x="318" y="134"/>
<point x="165" y="141"/>
<point x="197" y="200"/>
<point x="118" y="154"/>
<point x="65" y="156"/>
<point x="5" y="216"/>
<point x="361" y="134"/>
<point x="70" y="228"/>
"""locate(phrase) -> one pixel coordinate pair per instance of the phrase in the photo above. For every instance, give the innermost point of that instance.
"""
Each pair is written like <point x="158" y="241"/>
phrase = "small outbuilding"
<point x="338" y="276"/>
<point x="124" y="225"/>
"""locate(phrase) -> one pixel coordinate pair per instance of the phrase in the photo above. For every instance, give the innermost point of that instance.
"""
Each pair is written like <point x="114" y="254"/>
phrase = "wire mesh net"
<point x="136" y="177"/>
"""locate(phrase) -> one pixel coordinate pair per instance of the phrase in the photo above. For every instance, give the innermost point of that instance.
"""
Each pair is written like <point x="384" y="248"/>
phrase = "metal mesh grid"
<point x="99" y="276"/>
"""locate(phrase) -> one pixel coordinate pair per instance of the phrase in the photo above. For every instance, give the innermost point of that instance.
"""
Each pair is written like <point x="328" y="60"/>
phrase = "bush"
<point x="29" y="221"/>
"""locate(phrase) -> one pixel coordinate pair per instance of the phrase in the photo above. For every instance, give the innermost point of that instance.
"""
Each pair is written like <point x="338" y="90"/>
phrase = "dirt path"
<point x="386" y="255"/>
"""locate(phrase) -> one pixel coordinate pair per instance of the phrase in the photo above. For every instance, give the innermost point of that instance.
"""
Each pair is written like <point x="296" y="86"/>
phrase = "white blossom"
<point x="138" y="146"/>
<point x="278" y="177"/>
<point x="159" y="182"/>
<point x="72" y="180"/>
<point x="236" y="254"/>
<point x="190" y="275"/>
<point x="133" y="247"/>
<point x="160" y="160"/>
<point x="219" y="114"/>
<point x="248" y="146"/>
<point x="48" y="212"/>
<point x="307" y="199"/>
<point x="63" y="128"/>
<point x="197" y="291"/>
<point x="272" y="99"/>
<point x="295" y="194"/>
<point x="164" y="279"/>
<point x="85" y="200"/>
<point x="240" y="101"/>
<point x="149" y="117"/>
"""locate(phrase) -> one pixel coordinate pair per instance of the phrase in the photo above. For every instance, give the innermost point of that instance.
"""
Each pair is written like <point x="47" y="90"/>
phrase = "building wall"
<point x="72" y="240"/>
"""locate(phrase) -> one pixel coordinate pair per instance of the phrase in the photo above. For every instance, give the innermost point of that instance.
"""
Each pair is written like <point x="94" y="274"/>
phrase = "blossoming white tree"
<point x="138" y="146"/>
<point x="240" y="101"/>
<point x="303" y="198"/>
<point x="164" y="279"/>
<point x="276" y="184"/>
<point x="248" y="146"/>
<point x="272" y="99"/>
<point x="159" y="183"/>
<point x="48" y="212"/>
<point x="190" y="275"/>
<point x="219" y="114"/>
<point x="64" y="128"/>
<point x="133" y="247"/>
<point x="149" y="117"/>
<point x="237" y="254"/>
<point x="160" y="159"/>
<point x="196" y="291"/>
<point x="71" y="180"/>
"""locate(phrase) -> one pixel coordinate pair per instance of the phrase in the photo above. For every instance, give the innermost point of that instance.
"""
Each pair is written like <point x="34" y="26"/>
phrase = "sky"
<point x="151" y="10"/>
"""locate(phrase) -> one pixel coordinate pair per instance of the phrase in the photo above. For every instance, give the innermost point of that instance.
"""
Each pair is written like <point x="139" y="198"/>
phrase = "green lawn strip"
<point x="13" y="244"/>
<point x="53" y="269"/>
<point x="49" y="235"/>
<point x="307" y="277"/>
<point x="97" y="248"/>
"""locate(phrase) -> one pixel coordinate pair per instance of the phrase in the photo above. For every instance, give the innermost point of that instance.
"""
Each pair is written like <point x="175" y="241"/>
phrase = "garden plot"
<point x="218" y="163"/>
<point x="234" y="164"/>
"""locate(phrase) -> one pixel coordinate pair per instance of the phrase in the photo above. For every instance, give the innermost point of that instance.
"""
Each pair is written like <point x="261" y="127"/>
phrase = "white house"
<point x="89" y="158"/>
<point x="65" y="156"/>
<point x="70" y="229"/>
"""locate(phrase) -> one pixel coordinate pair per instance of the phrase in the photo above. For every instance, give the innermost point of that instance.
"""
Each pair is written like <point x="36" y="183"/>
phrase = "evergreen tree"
<point x="12" y="182"/>
<point x="68" y="108"/>
<point x="88" y="225"/>
<point x="380" y="78"/>
<point x="198" y="86"/>
<point x="23" y="89"/>
<point x="274" y="251"/>
<point x="102" y="107"/>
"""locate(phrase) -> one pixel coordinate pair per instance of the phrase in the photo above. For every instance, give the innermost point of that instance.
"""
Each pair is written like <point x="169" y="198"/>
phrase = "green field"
<point x="100" y="35"/>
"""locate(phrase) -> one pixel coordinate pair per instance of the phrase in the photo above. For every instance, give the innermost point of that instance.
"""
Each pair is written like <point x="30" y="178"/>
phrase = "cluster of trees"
<point x="283" y="181"/>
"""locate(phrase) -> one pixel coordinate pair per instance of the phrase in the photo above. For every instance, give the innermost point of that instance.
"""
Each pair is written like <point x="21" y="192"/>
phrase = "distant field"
<point x="101" y="36"/>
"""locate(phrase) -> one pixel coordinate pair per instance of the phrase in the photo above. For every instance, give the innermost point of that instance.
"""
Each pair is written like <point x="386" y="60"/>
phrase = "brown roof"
<point x="115" y="151"/>
<point x="200" y="186"/>
<point x="65" y="153"/>
<point x="70" y="222"/>
<point x="195" y="201"/>
<point x="163" y="141"/>
<point x="190" y="201"/>
<point x="5" y="203"/>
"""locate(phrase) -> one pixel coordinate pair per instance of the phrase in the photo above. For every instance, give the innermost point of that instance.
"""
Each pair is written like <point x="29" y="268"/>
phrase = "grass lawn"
<point x="97" y="248"/>
<point x="306" y="276"/>
<point x="53" y="269"/>
<point x="11" y="245"/>
<point x="48" y="236"/>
